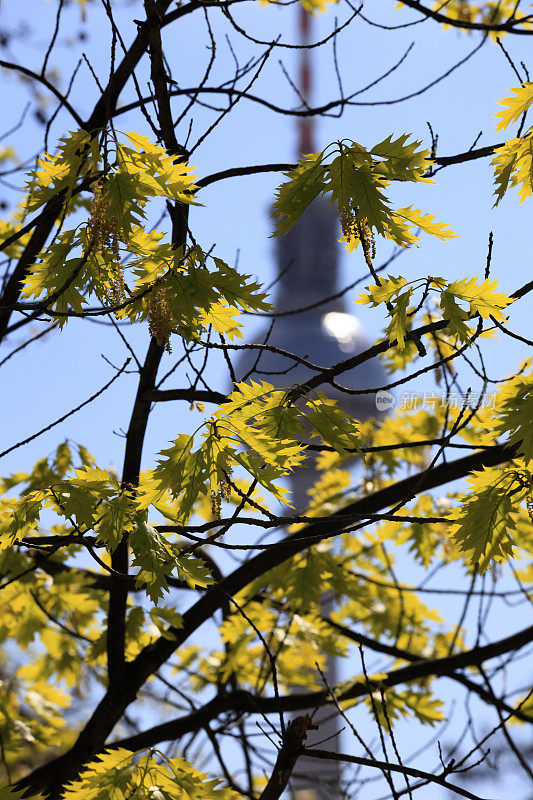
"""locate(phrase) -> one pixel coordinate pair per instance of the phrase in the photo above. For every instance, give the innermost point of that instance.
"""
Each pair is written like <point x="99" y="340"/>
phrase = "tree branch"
<point x="287" y="757"/>
<point x="505" y="27"/>
<point x="386" y="765"/>
<point x="241" y="702"/>
<point x="191" y="395"/>
<point x="153" y="656"/>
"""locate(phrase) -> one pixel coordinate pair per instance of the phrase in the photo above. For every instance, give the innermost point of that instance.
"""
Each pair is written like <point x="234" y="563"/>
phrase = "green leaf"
<point x="11" y="793"/>
<point x="388" y="288"/>
<point x="159" y="173"/>
<point x="304" y="184"/>
<point x="164" y="618"/>
<point x="523" y="174"/>
<point x="407" y="703"/>
<point x="20" y="517"/>
<point x="424" y="707"/>
<point x="76" y="503"/>
<point x="456" y="315"/>
<point x="485" y="519"/>
<point x="77" y="158"/>
<point x="124" y="196"/>
<point x="303" y="580"/>
<point x="515" y="106"/>
<point x="193" y="570"/>
<point x="7" y="229"/>
<point x="423" y="537"/>
<point x="265" y="474"/>
<point x="513" y="166"/>
<point x="259" y="417"/>
<point x="236" y="288"/>
<point x="399" y="324"/>
<point x="154" y="556"/>
<point x="515" y="416"/>
<point x="358" y="188"/>
<point x="111" y="774"/>
<point x="332" y="425"/>
<point x="426" y="222"/>
<point x="92" y="477"/>
<point x="482" y="298"/>
<point x="56" y="272"/>
<point x="116" y="517"/>
<point x="504" y="163"/>
<point x="403" y="161"/>
<point x="223" y="319"/>
<point x="182" y="472"/>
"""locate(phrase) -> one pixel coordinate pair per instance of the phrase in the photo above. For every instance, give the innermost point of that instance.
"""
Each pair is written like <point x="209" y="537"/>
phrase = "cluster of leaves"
<point x="299" y="642"/>
<point x="390" y="705"/>
<point x="31" y="711"/>
<point x="137" y="173"/>
<point x="93" y="500"/>
<point x="286" y="606"/>
<point x="479" y="299"/>
<point x="199" y="290"/>
<point x="356" y="179"/>
<point x="113" y="257"/>
<point x="486" y="521"/>
<point x="515" y="410"/>
<point x="87" y="259"/>
<point x="513" y="162"/>
<point x="487" y="518"/>
<point x="256" y="428"/>
<point x="151" y="776"/>
<point x="481" y="523"/>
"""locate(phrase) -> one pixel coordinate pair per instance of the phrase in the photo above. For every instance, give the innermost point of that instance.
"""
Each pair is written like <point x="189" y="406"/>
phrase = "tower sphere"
<point x="307" y="267"/>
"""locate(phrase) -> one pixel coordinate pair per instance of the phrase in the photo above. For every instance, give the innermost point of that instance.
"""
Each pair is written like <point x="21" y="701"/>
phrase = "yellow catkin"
<point x="216" y="504"/>
<point x="116" y="290"/>
<point x="358" y="229"/>
<point x="159" y="321"/>
<point x="223" y="493"/>
<point x="368" y="242"/>
<point x="105" y="233"/>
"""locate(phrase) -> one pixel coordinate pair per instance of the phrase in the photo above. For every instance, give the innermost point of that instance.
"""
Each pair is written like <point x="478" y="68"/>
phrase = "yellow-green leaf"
<point x="515" y="105"/>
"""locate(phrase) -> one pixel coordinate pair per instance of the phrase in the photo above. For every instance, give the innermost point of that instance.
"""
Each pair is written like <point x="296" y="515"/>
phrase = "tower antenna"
<point x="306" y="125"/>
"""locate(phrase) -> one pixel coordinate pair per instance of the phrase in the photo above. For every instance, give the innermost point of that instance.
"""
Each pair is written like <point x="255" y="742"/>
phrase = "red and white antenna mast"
<point x="306" y="125"/>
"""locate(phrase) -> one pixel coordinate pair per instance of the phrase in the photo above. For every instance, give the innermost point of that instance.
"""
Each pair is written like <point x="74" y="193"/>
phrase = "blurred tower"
<point x="307" y="260"/>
